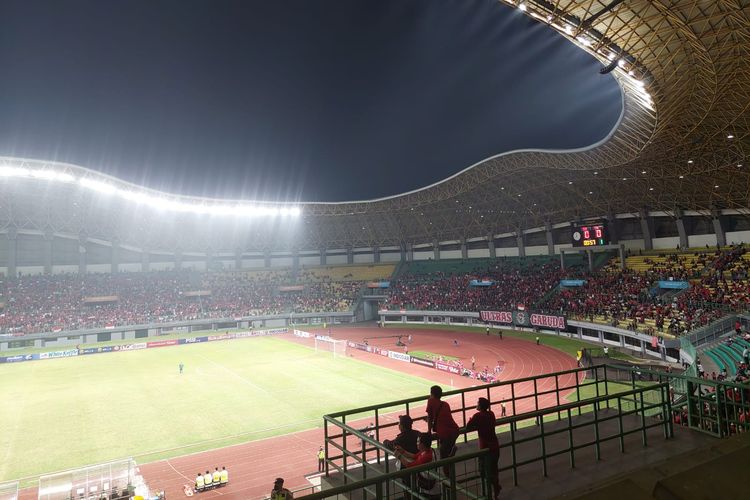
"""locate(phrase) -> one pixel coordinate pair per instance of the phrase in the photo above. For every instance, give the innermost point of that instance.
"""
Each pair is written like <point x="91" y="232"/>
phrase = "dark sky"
<point x="296" y="99"/>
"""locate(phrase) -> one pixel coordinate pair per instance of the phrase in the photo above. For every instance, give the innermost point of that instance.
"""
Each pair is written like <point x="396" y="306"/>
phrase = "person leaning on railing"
<point x="483" y="421"/>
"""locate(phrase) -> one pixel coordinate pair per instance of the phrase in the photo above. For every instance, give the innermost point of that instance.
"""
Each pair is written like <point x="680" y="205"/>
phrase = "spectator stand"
<point x="9" y="491"/>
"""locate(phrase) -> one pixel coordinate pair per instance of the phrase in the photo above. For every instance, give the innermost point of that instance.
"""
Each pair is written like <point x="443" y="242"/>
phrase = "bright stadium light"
<point x="98" y="186"/>
<point x="14" y="172"/>
<point x="522" y="6"/>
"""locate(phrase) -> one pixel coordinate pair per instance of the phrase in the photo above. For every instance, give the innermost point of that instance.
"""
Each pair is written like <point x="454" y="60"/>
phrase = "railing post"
<point x="452" y="471"/>
<point x="643" y="420"/>
<point x="513" y="452"/>
<point x="544" y="445"/>
<point x="377" y="434"/>
<point x="557" y="392"/>
<point x="463" y="412"/>
<point x="619" y="425"/>
<point x="325" y="443"/>
<point x="570" y="441"/>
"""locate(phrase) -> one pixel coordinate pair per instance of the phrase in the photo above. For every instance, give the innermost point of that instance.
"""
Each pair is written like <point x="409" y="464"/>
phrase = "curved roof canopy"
<point x="684" y="69"/>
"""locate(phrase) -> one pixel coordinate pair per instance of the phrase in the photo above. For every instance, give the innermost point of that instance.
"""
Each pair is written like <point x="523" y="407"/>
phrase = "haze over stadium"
<point x="322" y="208"/>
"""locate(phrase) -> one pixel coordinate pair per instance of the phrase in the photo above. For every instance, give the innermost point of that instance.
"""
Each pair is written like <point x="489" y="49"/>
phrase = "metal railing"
<point x="362" y="462"/>
<point x="644" y="403"/>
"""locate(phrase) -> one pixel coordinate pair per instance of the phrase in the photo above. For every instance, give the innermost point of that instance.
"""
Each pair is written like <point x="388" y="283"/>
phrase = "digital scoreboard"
<point x="593" y="235"/>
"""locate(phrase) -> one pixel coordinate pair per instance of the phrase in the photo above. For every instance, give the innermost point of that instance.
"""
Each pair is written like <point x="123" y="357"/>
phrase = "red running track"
<point x="254" y="465"/>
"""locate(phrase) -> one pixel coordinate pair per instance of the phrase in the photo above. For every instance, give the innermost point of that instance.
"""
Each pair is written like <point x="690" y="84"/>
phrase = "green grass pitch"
<point x="64" y="413"/>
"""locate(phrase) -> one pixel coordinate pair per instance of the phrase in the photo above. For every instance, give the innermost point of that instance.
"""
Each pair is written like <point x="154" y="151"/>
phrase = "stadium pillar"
<point x="681" y="228"/>
<point x="178" y="258"/>
<point x="350" y="255"/>
<point x="519" y="242"/>
<point x="590" y="255"/>
<point x="376" y="254"/>
<point x="550" y="239"/>
<point x="464" y="249"/>
<point x="267" y="258"/>
<point x="209" y="258"/>
<point x="145" y="260"/>
<point x="115" y="267"/>
<point x="721" y="235"/>
<point x="12" y="252"/>
<point x="48" y="238"/>
<point x="295" y="262"/>
<point x="648" y="243"/>
<point x="82" y="254"/>
<point x="435" y="250"/>
<point x="614" y="233"/>
<point x="407" y="254"/>
<point x="238" y="258"/>
<point x="491" y="245"/>
<point x="322" y="256"/>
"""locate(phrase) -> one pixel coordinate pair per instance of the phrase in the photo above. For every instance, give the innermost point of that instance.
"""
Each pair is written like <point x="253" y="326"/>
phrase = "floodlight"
<point x="101" y="187"/>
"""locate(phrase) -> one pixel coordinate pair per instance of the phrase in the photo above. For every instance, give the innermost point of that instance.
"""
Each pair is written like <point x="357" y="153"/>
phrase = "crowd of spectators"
<point x="439" y="291"/>
<point x="43" y="303"/>
<point x="629" y="298"/>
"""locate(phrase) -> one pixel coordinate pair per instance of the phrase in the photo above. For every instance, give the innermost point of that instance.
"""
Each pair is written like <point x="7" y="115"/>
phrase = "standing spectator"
<point x="537" y="340"/>
<point x="440" y="421"/>
<point x="279" y="492"/>
<point x="483" y="421"/>
<point x="500" y="333"/>
<point x="746" y="356"/>
<point x="321" y="459"/>
<point x="473" y="362"/>
<point x="487" y="329"/>
<point x="406" y="438"/>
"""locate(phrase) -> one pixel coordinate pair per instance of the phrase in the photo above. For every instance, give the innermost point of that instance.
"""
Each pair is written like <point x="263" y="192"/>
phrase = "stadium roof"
<point x="684" y="69"/>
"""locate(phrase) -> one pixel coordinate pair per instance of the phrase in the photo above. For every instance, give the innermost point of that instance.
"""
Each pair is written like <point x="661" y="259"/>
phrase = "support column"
<point x="613" y="225"/>
<point x="48" y="239"/>
<point x="491" y="245"/>
<point x="323" y="256"/>
<point x="550" y="239"/>
<point x="435" y="250"/>
<point x="178" y="258"/>
<point x="295" y="262"/>
<point x="519" y="243"/>
<point x="721" y="235"/>
<point x="209" y="258"/>
<point x="681" y="228"/>
<point x="621" y="251"/>
<point x="464" y="249"/>
<point x="648" y="243"/>
<point x="145" y="260"/>
<point x="12" y="252"/>
<point x="591" y="260"/>
<point x="115" y="267"/>
<point x="407" y="255"/>
<point x="238" y="258"/>
<point x="267" y="258"/>
<point x="350" y="255"/>
<point x="82" y="253"/>
<point x="376" y="254"/>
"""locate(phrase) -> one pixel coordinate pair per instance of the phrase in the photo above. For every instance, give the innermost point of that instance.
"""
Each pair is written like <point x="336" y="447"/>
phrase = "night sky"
<point x="290" y="100"/>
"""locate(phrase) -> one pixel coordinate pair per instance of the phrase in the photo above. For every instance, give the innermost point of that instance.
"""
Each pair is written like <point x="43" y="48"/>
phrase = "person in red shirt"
<point x="483" y="421"/>
<point x="440" y="421"/>
<point x="428" y="485"/>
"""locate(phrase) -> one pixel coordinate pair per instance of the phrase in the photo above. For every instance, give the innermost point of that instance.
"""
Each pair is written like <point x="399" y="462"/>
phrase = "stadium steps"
<point x="726" y="359"/>
<point x="716" y="360"/>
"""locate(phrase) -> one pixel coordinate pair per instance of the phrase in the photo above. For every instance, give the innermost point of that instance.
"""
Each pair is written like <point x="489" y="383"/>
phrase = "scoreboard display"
<point x="593" y="235"/>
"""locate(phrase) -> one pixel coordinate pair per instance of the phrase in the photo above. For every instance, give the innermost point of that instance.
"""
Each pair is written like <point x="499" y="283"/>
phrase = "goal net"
<point x="327" y="344"/>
